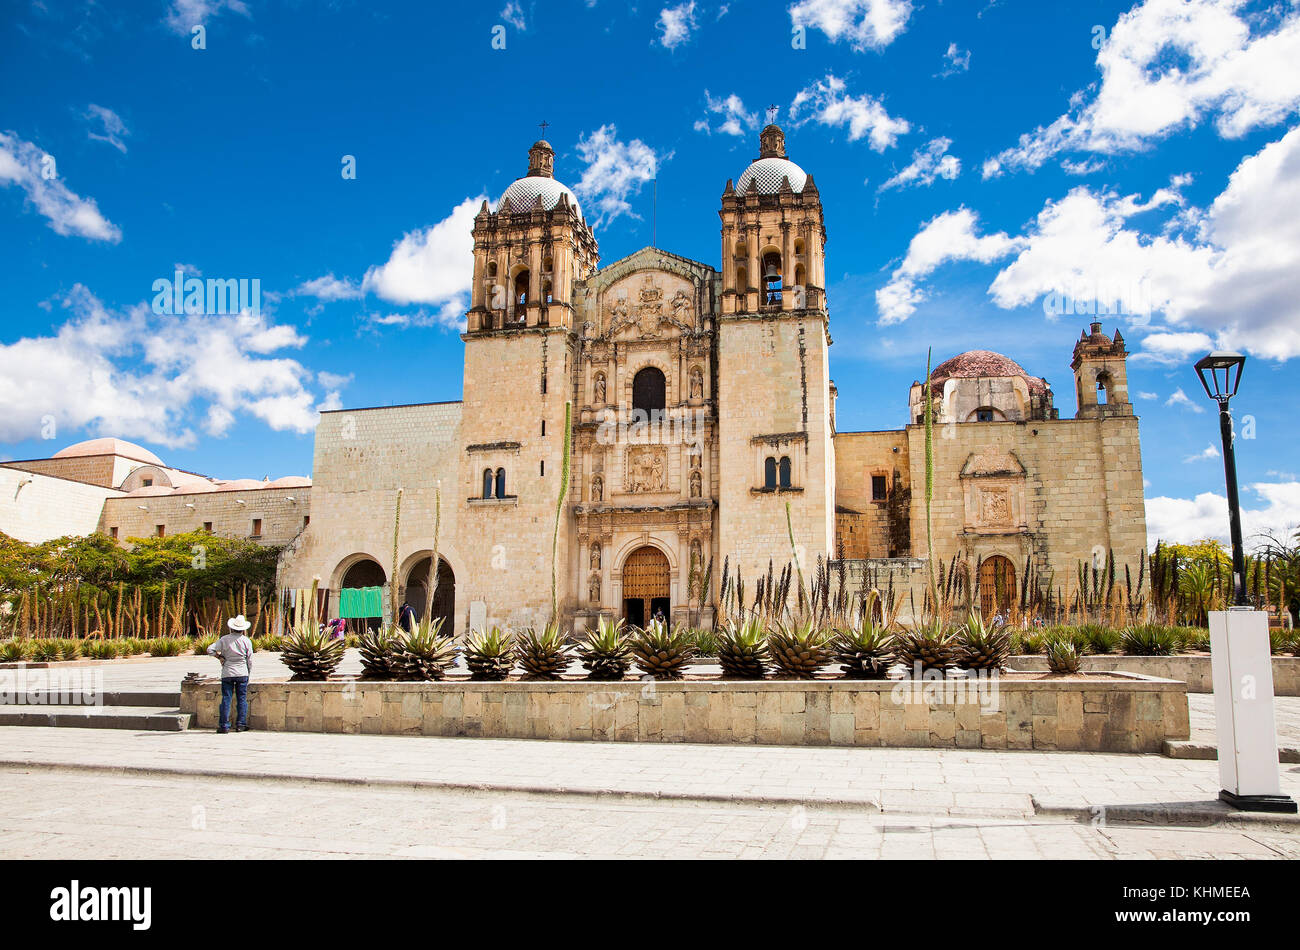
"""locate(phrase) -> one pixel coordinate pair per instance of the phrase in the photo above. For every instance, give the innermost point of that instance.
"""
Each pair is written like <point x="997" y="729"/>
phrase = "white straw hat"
<point x="238" y="623"/>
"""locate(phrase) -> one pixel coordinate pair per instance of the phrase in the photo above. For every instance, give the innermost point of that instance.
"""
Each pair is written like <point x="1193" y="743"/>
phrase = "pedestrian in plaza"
<point x="235" y="651"/>
<point x="406" y="618"/>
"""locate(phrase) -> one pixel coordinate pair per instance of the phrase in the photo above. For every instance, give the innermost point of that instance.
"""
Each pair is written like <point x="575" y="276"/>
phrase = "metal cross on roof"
<point x="771" y="113"/>
<point x="543" y="125"/>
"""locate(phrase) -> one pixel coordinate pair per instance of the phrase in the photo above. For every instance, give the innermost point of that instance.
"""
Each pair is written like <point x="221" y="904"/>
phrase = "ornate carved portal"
<point x="647" y="469"/>
<point x="645" y="586"/>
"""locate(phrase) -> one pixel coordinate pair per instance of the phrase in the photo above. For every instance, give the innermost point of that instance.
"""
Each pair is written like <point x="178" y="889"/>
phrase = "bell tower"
<point x="774" y="390"/>
<point x="1101" y="375"/>
<point x="520" y="342"/>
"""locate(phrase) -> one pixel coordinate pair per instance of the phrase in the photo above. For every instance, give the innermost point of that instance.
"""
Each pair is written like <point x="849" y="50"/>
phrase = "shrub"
<point x="103" y="649"/>
<point x="269" y="643"/>
<point x="17" y="650"/>
<point x="1062" y="655"/>
<point x="1150" y="640"/>
<point x="1281" y="641"/>
<point x="1032" y="642"/>
<point x="706" y="642"/>
<point x="167" y="646"/>
<point x="1194" y="639"/>
<point x="1102" y="640"/>
<point x="46" y="651"/>
<point x="69" y="649"/>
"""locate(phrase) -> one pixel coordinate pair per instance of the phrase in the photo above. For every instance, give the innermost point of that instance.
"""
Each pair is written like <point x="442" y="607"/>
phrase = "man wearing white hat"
<point x="235" y="651"/>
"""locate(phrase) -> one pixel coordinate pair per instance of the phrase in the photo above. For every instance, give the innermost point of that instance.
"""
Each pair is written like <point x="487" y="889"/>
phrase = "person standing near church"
<point x="235" y="651"/>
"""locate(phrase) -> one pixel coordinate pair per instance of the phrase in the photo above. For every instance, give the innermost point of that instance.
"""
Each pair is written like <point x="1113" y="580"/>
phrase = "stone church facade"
<point x="702" y="428"/>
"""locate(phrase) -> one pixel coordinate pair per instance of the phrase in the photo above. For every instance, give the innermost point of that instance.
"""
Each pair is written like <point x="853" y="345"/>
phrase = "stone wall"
<point x="862" y="521"/>
<point x="1134" y="715"/>
<point x="231" y="513"/>
<point x="46" y="508"/>
<point x="107" y="471"/>
<point x="1192" y="670"/>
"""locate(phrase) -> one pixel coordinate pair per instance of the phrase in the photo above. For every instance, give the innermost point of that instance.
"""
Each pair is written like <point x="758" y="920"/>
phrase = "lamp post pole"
<point x="1234" y="504"/>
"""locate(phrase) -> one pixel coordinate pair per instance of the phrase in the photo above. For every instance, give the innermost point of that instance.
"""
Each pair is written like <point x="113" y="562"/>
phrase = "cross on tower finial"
<point x="543" y="125"/>
<point x="772" y="110"/>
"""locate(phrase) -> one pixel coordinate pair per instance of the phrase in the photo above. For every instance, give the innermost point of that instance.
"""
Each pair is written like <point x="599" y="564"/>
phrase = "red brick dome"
<point x="975" y="364"/>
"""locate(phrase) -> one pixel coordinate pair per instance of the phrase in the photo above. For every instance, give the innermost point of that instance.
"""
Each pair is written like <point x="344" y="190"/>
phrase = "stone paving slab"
<point x="893" y="781"/>
<point x="56" y="813"/>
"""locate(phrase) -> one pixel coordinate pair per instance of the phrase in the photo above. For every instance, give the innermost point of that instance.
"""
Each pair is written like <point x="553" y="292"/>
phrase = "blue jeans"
<point x="237" y="685"/>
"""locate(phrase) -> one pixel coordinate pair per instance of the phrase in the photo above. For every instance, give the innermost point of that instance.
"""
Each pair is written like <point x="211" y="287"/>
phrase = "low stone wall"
<point x="1101" y="715"/>
<point x="1192" y="670"/>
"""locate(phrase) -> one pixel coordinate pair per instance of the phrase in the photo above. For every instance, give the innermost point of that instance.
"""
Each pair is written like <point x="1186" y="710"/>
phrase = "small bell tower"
<point x="1101" y="375"/>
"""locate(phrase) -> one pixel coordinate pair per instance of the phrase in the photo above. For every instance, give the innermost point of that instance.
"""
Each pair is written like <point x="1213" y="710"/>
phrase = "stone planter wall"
<point x="1192" y="670"/>
<point x="1101" y="715"/>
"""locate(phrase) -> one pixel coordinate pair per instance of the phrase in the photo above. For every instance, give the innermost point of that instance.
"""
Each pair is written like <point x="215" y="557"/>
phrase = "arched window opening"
<point x="785" y="471"/>
<point x="649" y="391"/>
<point x="492" y="268"/>
<point x="987" y="414"/>
<point x="547" y="266"/>
<point x="800" y="275"/>
<point x="501" y="483"/>
<point x="742" y="279"/>
<point x="798" y="246"/>
<point x="769" y="473"/>
<point x="772" y="284"/>
<point x="1103" y="388"/>
<point x="546" y="292"/>
<point x="487" y="483"/>
<point x="521" y="290"/>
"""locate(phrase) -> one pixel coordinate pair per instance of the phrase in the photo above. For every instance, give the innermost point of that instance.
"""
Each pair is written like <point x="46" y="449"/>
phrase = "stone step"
<point x="154" y="698"/>
<point x="143" y="718"/>
<point x="1202" y="750"/>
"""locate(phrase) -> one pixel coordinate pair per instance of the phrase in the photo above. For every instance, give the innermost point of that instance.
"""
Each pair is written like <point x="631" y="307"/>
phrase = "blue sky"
<point x="974" y="158"/>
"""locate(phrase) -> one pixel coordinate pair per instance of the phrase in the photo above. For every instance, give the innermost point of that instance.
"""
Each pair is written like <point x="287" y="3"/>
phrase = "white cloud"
<point x="112" y="128"/>
<point x="183" y="15"/>
<point x="1166" y="65"/>
<point x="615" y="171"/>
<point x="513" y="14"/>
<point x="956" y="60"/>
<point x="1148" y="396"/>
<point x="1180" y="399"/>
<point x="25" y="165"/>
<point x="135" y="374"/>
<point x="1186" y="520"/>
<point x="1229" y="273"/>
<point x="675" y="24"/>
<point x="829" y="103"/>
<point x="434" y="265"/>
<point x="1172" y="349"/>
<point x="1209" y="452"/>
<point x="865" y="24"/>
<point x="947" y="237"/>
<point x="928" y="163"/>
<point x="329" y="288"/>
<point x="736" y="120"/>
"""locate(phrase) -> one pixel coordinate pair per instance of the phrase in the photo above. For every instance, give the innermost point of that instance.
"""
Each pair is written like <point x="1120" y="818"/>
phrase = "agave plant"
<point x="16" y="650"/>
<point x="310" y="652"/>
<point x="380" y="650"/>
<point x="799" y="648"/>
<point x="662" y="651"/>
<point x="982" y="646"/>
<point x="1062" y="655"/>
<point x="545" y="655"/>
<point x="1149" y="640"/>
<point x="606" y="652"/>
<point x="46" y="651"/>
<point x="927" y="647"/>
<point x="864" y="652"/>
<point x="490" y="654"/>
<point x="742" y="649"/>
<point x="69" y="649"/>
<point x="424" y="654"/>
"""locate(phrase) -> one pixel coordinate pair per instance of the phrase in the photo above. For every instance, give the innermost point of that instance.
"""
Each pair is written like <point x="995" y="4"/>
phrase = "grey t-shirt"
<point x="236" y="654"/>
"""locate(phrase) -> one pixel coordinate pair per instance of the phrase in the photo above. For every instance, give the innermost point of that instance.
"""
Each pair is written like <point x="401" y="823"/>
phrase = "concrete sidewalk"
<point x="1080" y="786"/>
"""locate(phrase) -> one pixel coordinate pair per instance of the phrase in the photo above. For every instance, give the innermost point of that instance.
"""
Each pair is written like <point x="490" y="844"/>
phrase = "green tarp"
<point x="357" y="602"/>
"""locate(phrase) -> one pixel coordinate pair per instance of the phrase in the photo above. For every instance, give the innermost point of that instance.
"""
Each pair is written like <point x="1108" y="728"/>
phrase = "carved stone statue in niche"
<point x="995" y="508"/>
<point x="597" y="489"/>
<point x="646" y="469"/>
<point x="697" y="555"/>
<point x="593" y="589"/>
<point x="697" y="484"/>
<point x="595" y="557"/>
<point x="599" y="395"/>
<point x="683" y="309"/>
<point x="697" y="383"/>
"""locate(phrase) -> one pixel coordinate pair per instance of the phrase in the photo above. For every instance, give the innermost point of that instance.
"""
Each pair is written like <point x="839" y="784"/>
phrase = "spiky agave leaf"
<point x="425" y="653"/>
<point x="982" y="646"/>
<point x="742" y="649"/>
<point x="544" y="655"/>
<point x="606" y="652"/>
<point x="798" y="649"/>
<point x="311" y="653"/>
<point x="865" y="651"/>
<point x="662" y="651"/>
<point x="380" y="651"/>
<point x="490" y="654"/>
<point x="929" y="646"/>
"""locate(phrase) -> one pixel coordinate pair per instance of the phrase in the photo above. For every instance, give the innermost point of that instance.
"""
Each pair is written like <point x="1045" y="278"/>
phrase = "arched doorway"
<point x="997" y="585"/>
<point x="357" y="601"/>
<point x="645" y="586"/>
<point x="444" y="596"/>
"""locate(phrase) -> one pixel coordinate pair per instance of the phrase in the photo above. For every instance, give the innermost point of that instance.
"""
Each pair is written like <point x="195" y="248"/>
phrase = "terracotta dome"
<point x="109" y="447"/>
<point x="976" y="364"/>
<point x="292" y="481"/>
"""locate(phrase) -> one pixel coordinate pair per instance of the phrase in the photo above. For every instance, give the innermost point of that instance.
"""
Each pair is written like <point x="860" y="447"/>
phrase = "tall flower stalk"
<point x="392" y="579"/>
<point x="431" y="585"/>
<point x="929" y="483"/>
<point x="559" y="509"/>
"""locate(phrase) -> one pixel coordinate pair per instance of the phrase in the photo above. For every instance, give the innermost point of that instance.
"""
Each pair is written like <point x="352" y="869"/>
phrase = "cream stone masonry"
<point x="36" y="508"/>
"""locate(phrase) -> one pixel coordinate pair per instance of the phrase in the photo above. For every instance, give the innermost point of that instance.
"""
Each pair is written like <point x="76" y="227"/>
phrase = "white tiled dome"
<point x="768" y="172"/>
<point x="523" y="193"/>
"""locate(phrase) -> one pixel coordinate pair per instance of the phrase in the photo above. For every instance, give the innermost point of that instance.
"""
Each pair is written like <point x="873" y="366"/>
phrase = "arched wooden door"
<point x="645" y="586"/>
<point x="997" y="585"/>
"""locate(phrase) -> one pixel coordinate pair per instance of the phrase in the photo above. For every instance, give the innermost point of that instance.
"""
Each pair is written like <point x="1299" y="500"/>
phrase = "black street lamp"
<point x="1220" y="374"/>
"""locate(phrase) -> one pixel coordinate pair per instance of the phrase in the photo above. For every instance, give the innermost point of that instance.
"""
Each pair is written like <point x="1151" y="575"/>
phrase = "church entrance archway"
<point x="646" y="586"/>
<point x="358" y="601"/>
<point x="444" y="595"/>
<point x="997" y="585"/>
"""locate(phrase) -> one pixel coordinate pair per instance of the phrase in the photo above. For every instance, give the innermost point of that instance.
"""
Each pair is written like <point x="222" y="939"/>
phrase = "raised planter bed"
<point x="1192" y="669"/>
<point x="1115" y="713"/>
